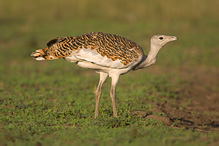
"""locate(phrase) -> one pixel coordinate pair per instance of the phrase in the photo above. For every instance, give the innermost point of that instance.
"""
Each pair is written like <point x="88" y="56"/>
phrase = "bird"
<point x="107" y="54"/>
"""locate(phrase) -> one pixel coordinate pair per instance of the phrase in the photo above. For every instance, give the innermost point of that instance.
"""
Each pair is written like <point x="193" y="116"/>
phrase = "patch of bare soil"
<point x="198" y="104"/>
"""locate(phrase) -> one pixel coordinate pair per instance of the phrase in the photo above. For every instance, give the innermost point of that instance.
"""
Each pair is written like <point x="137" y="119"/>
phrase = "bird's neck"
<point x="151" y="58"/>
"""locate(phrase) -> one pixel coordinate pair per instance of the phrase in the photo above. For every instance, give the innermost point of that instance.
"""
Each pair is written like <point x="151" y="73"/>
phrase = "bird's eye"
<point x="161" y="38"/>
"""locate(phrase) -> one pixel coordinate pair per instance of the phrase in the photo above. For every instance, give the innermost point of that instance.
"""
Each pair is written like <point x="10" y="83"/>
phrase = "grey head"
<point x="161" y="40"/>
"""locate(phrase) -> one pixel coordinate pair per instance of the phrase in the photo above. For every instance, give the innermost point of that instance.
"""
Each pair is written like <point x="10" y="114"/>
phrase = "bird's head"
<point x="161" y="40"/>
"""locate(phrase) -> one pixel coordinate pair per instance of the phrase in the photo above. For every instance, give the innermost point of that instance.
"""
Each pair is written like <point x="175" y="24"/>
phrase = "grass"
<point x="52" y="103"/>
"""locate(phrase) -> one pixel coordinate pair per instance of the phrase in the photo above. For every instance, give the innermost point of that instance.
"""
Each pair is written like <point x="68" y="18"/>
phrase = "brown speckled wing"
<point x="112" y="46"/>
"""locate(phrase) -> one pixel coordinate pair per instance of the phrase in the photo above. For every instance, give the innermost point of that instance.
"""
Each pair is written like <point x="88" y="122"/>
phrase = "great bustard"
<point x="107" y="54"/>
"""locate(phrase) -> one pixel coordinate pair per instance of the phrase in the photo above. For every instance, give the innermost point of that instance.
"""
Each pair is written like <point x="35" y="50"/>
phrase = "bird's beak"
<point x="173" y="38"/>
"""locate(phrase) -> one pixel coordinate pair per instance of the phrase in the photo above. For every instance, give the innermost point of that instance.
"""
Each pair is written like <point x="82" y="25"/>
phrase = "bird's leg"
<point x="103" y="77"/>
<point x="115" y="80"/>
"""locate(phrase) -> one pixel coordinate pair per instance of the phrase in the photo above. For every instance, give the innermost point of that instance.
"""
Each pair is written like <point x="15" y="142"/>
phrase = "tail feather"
<point x="41" y="54"/>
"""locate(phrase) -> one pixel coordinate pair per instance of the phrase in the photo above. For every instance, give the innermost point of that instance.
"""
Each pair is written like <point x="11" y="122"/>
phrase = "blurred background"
<point x="26" y="25"/>
<point x="38" y="96"/>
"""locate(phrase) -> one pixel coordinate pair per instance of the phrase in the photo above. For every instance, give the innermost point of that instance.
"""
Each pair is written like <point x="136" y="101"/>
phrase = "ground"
<point x="197" y="105"/>
<point x="174" y="102"/>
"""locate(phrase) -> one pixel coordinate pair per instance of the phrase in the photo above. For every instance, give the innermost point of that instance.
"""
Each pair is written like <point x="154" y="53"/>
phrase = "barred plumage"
<point x="107" y="54"/>
<point x="109" y="45"/>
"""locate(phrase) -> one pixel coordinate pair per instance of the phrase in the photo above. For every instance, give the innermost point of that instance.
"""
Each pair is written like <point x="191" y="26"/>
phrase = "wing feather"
<point x="100" y="48"/>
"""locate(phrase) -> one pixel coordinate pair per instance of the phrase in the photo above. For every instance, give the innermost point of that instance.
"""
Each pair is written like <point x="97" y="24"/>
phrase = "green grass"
<point x="52" y="103"/>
